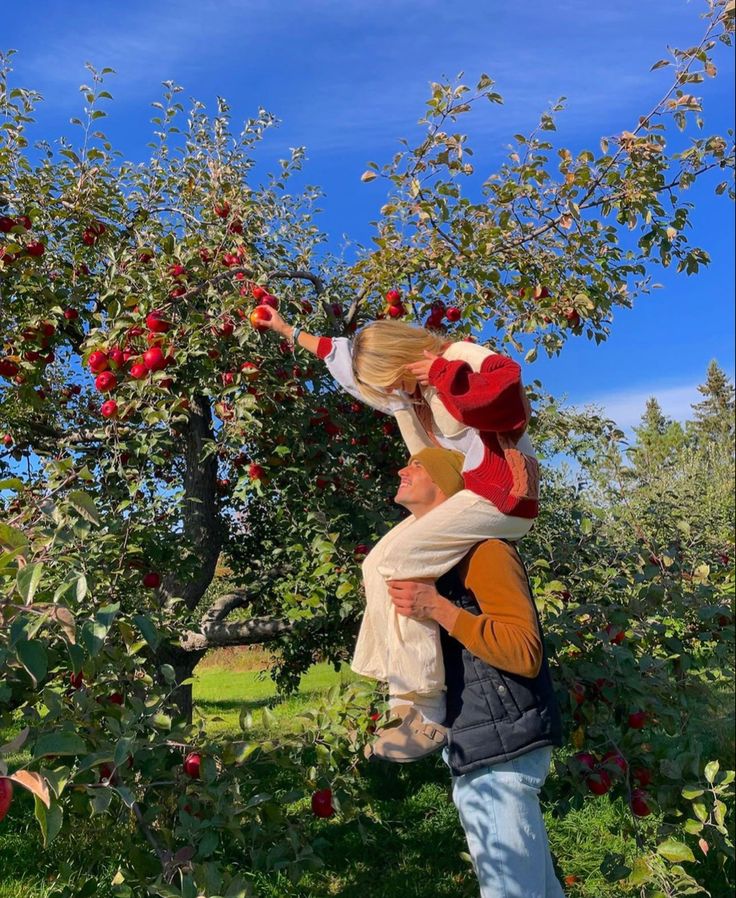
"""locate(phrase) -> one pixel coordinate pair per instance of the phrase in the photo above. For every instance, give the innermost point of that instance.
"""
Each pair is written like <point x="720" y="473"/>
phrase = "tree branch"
<point x="221" y="607"/>
<point x="251" y="632"/>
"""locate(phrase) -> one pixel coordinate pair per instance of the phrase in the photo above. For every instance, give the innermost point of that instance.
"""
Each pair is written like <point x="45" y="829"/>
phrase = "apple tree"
<point x="150" y="428"/>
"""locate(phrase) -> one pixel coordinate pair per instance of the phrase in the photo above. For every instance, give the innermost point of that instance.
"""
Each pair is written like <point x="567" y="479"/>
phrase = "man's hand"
<point x="420" y="370"/>
<point x="414" y="598"/>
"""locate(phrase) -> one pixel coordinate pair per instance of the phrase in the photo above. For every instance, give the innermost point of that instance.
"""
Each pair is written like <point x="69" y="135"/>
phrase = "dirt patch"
<point x="249" y="657"/>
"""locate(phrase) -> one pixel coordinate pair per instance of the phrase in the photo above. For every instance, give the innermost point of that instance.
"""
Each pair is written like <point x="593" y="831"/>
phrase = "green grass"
<point x="415" y="851"/>
<point x="221" y="693"/>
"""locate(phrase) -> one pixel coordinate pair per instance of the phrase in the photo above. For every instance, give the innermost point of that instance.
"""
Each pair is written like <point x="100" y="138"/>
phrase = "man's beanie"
<point x="444" y="467"/>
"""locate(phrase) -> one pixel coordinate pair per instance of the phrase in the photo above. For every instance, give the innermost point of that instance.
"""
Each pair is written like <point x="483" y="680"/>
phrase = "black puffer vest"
<point x="492" y="715"/>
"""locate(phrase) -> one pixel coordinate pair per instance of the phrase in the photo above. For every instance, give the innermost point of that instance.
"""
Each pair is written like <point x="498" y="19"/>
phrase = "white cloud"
<point x="627" y="406"/>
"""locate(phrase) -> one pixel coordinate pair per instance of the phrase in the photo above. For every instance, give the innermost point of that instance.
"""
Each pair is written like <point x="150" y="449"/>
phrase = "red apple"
<point x="177" y="270"/>
<point x="258" y="292"/>
<point x="116" y="357"/>
<point x="152" y="580"/>
<point x="8" y="368"/>
<point x="615" y="759"/>
<point x="6" y="224"/>
<point x="637" y="720"/>
<point x="615" y="635"/>
<point x="36" y="249"/>
<point x="7" y="440"/>
<point x="322" y="803"/>
<point x="599" y="782"/>
<point x="106" y="381"/>
<point x="541" y="293"/>
<point x="235" y="226"/>
<point x="228" y="378"/>
<point x="337" y="309"/>
<point x="270" y="300"/>
<point x="639" y="804"/>
<point x="393" y="297"/>
<point x="138" y="371"/>
<point x="222" y="210"/>
<point x="642" y="775"/>
<point x="258" y="316"/>
<point x="76" y="680"/>
<point x="97" y="361"/>
<point x="71" y="314"/>
<point x="396" y="311"/>
<point x="154" y="359"/>
<point x="361" y="550"/>
<point x="227" y="328"/>
<point x="572" y="317"/>
<point x="307" y="307"/>
<point x="108" y="772"/>
<point x="577" y="693"/>
<point x="116" y="698"/>
<point x="109" y="409"/>
<point x="256" y="472"/>
<point x="192" y="765"/>
<point x="585" y="759"/>
<point x="6" y="796"/>
<point x="177" y="291"/>
<point x="453" y="314"/>
<point x="249" y="370"/>
<point x="157" y="322"/>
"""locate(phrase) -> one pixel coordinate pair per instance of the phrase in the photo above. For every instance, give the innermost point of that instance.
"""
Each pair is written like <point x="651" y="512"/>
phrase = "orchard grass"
<point x="414" y="848"/>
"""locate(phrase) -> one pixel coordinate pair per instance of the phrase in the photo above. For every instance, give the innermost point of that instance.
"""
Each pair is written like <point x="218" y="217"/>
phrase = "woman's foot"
<point x="407" y="737"/>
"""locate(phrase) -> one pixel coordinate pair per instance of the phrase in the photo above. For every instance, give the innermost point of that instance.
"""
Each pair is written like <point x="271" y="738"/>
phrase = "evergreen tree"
<point x="658" y="440"/>
<point x="714" y="416"/>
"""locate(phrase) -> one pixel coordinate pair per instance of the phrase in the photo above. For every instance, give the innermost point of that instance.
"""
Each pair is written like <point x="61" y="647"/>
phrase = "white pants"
<point x="402" y="651"/>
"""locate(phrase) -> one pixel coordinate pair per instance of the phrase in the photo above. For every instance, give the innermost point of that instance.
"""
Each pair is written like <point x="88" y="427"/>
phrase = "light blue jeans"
<point x="500" y="813"/>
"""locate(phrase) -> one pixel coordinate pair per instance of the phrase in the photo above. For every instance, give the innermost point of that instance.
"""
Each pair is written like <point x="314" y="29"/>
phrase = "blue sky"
<point x="348" y="79"/>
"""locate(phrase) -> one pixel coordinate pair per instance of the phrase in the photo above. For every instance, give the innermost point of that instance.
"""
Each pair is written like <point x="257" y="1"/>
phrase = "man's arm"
<point x="505" y="633"/>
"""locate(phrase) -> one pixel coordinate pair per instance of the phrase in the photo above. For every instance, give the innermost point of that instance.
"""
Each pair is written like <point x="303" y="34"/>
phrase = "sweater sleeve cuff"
<point x="462" y="629"/>
<point x="324" y="347"/>
<point x="442" y="371"/>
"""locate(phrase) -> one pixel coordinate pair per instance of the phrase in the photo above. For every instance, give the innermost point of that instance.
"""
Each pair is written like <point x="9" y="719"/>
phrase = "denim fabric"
<point x="500" y="813"/>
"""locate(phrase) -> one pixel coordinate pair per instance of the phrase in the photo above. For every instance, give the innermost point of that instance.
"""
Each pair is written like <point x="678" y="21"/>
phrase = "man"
<point x="502" y="717"/>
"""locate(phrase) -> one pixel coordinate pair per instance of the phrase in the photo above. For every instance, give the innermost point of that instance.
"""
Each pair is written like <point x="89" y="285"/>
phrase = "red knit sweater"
<point x="492" y="401"/>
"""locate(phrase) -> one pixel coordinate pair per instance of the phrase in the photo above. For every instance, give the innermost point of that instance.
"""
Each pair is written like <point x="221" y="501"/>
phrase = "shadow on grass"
<point x="222" y="706"/>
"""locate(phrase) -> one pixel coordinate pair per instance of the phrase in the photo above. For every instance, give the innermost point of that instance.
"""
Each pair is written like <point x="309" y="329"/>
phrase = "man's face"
<point x="416" y="489"/>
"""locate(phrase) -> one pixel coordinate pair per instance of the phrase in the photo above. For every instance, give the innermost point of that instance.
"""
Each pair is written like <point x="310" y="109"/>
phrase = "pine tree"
<point x="714" y="416"/>
<point x="658" y="439"/>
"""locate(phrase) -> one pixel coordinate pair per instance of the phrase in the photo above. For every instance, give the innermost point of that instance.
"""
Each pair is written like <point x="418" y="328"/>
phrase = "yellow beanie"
<point x="444" y="466"/>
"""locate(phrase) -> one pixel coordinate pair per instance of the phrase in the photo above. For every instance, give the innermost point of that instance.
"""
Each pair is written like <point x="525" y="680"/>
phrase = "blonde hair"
<point x="383" y="349"/>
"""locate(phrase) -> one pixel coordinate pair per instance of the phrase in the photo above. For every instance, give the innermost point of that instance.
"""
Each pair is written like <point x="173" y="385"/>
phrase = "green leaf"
<point x="689" y="792"/>
<point x="11" y="538"/>
<point x="59" y="744"/>
<point x="640" y="872"/>
<point x="675" y="851"/>
<point x="32" y="655"/>
<point x="28" y="579"/>
<point x="84" y="504"/>
<point x="711" y="769"/>
<point x="148" y="630"/>
<point x="49" y="819"/>
<point x="11" y="483"/>
<point x="700" y="811"/>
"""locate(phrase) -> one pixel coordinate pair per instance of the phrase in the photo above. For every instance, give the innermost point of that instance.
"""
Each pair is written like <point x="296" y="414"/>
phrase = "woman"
<point x="460" y="396"/>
